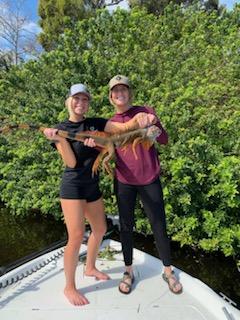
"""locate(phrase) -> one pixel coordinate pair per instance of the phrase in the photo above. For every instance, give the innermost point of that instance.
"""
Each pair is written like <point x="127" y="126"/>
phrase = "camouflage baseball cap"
<point x="118" y="79"/>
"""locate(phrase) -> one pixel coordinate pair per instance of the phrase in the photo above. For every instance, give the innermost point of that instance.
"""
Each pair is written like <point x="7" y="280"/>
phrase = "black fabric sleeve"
<point x="101" y="123"/>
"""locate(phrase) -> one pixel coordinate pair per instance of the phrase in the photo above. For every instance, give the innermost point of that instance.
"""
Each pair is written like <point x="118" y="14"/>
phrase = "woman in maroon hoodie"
<point x="139" y="177"/>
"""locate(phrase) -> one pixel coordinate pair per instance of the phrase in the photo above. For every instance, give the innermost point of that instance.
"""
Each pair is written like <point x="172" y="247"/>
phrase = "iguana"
<point x="106" y="141"/>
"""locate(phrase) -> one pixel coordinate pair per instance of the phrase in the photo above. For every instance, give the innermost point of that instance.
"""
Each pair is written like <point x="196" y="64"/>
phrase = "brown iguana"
<point x="107" y="141"/>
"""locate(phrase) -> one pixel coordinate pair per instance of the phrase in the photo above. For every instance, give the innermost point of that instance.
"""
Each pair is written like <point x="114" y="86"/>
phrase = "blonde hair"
<point x="130" y="96"/>
<point x="68" y="105"/>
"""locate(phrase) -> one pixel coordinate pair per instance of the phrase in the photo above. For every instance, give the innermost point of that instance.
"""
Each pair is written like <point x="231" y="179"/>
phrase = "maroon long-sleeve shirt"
<point x="146" y="168"/>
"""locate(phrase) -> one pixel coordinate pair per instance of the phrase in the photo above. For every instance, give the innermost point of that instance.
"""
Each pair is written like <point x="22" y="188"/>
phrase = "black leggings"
<point x="151" y="196"/>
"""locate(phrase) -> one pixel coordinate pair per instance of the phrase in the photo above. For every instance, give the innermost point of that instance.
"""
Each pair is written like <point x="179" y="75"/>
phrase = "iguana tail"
<point x="101" y="139"/>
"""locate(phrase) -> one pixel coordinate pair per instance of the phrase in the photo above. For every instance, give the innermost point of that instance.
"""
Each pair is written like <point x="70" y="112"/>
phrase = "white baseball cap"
<point x="79" y="88"/>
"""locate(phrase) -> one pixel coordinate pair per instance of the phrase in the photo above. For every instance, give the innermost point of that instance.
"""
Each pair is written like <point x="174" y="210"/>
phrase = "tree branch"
<point x="113" y="3"/>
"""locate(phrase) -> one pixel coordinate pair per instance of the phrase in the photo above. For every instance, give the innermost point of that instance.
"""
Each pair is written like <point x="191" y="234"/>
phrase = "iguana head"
<point x="153" y="132"/>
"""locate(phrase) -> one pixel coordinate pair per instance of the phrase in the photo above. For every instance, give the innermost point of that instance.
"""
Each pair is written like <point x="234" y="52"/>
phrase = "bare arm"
<point x="62" y="146"/>
<point x="66" y="153"/>
<point x="140" y="120"/>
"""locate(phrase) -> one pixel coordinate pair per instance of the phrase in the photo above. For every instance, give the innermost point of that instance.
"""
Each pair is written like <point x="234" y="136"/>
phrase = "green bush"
<point x="186" y="64"/>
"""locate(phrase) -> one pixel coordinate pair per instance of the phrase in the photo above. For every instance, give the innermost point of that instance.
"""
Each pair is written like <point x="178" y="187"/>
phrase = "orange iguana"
<point x="107" y="141"/>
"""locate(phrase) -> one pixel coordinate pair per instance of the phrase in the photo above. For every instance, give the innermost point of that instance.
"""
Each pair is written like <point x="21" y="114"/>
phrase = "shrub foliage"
<point x="186" y="64"/>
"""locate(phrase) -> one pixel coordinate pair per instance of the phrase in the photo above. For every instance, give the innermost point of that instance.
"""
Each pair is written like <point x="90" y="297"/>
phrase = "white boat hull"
<point x="39" y="296"/>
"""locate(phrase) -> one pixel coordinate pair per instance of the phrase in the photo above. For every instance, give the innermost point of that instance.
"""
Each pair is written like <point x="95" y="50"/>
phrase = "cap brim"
<point x="117" y="84"/>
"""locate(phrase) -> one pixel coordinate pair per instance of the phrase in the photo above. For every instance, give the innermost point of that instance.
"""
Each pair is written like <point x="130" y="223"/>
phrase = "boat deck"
<point x="40" y="295"/>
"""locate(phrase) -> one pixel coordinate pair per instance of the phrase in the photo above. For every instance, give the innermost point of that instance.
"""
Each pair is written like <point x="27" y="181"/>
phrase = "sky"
<point x="30" y="8"/>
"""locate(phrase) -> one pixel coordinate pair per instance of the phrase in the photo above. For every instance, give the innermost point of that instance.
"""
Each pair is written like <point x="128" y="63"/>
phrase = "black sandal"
<point x="174" y="284"/>
<point x="126" y="276"/>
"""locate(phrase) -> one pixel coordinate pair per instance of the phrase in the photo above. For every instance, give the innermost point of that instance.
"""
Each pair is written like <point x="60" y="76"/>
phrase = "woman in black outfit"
<point x="80" y="195"/>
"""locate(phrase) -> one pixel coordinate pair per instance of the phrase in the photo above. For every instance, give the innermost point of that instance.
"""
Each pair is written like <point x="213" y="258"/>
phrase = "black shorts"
<point x="89" y="192"/>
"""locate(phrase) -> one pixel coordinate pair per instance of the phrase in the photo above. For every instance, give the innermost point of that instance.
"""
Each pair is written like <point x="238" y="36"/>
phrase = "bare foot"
<point x="97" y="274"/>
<point x="75" y="297"/>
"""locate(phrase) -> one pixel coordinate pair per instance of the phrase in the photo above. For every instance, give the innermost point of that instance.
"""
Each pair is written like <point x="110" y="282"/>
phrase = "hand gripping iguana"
<point x="106" y="141"/>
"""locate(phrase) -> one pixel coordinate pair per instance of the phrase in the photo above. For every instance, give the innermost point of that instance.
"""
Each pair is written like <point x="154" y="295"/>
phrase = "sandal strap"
<point x="127" y="275"/>
<point x="170" y="276"/>
<point x="125" y="283"/>
<point x="175" y="283"/>
<point x="175" y="280"/>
